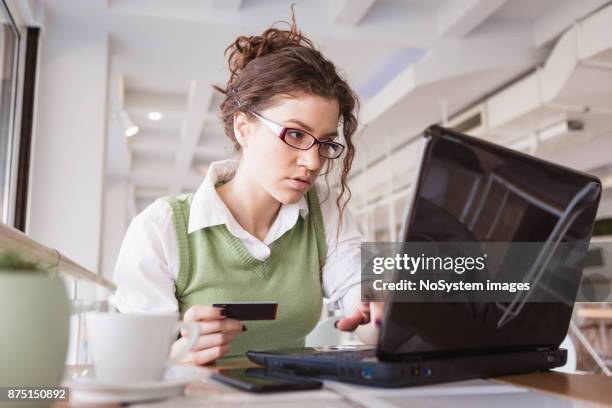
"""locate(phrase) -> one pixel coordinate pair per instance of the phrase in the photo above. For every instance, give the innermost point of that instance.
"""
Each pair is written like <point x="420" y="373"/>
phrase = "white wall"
<point x="116" y="220"/>
<point x="65" y="208"/>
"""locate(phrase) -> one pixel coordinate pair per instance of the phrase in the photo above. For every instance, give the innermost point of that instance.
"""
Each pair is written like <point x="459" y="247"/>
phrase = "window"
<point x="9" y="48"/>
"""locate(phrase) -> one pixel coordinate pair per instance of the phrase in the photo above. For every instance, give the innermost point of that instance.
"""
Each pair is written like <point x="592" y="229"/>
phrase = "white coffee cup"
<point x="135" y="347"/>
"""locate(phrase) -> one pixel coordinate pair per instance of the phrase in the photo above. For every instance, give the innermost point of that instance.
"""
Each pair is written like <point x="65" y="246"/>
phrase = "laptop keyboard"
<point x="353" y="355"/>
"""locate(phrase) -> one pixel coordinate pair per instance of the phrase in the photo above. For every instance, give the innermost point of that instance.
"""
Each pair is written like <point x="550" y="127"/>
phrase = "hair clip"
<point x="235" y="96"/>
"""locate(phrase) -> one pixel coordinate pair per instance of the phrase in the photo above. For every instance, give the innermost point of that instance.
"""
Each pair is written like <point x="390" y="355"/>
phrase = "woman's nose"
<point x="310" y="158"/>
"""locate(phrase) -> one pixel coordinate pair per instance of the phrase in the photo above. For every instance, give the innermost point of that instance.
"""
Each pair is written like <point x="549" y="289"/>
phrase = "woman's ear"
<point x="242" y="128"/>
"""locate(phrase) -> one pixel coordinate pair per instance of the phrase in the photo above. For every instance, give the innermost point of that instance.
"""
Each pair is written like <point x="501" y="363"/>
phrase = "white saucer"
<point x="87" y="389"/>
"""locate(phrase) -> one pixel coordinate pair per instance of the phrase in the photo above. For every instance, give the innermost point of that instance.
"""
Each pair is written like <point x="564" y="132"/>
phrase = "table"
<point x="535" y="389"/>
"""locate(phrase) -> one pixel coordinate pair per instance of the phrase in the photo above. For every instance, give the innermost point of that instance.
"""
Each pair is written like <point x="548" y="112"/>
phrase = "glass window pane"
<point x="8" y="50"/>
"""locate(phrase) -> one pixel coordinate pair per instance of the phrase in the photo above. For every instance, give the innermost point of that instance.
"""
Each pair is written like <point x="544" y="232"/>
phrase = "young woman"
<point x="258" y="229"/>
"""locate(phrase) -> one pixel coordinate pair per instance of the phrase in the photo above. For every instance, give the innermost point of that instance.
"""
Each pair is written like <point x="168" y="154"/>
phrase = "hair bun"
<point x="246" y="48"/>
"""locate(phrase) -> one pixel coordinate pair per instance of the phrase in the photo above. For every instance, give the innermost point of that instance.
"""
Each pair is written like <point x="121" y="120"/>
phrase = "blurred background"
<point x="107" y="105"/>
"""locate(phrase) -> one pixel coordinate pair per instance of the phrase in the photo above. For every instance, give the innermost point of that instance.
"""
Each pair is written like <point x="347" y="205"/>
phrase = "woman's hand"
<point x="216" y="334"/>
<point x="368" y="315"/>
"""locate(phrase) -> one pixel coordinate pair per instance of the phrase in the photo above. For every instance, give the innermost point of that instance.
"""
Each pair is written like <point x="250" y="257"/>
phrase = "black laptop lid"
<point x="471" y="190"/>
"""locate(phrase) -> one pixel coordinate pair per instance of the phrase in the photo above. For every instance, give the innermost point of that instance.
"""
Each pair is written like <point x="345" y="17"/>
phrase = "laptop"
<point x="468" y="189"/>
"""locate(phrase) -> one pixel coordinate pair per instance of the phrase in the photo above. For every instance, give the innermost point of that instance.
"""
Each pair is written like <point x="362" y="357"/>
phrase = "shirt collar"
<point x="207" y="208"/>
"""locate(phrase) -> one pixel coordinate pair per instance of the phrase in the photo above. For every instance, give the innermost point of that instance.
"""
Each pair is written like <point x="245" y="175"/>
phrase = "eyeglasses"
<point x="302" y="140"/>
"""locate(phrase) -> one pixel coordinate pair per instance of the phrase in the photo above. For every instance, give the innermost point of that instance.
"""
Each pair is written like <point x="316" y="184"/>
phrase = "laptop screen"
<point x="472" y="191"/>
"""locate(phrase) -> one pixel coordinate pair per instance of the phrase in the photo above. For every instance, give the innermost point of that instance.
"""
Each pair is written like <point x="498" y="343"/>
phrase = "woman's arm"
<point x="341" y="271"/>
<point x="147" y="263"/>
<point x="342" y="274"/>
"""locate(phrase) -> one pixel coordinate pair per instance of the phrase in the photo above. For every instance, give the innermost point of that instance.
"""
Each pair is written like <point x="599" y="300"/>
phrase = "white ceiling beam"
<point x="560" y="18"/>
<point x="155" y="101"/>
<point x="395" y="25"/>
<point x="200" y="97"/>
<point x="350" y="12"/>
<point x="155" y="134"/>
<point x="225" y="4"/>
<point x="457" y="71"/>
<point x="597" y="150"/>
<point x="145" y="146"/>
<point x="459" y="18"/>
<point x="454" y="58"/>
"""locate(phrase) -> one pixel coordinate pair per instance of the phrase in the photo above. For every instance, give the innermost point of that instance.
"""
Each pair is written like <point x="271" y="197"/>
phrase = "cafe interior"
<point x="108" y="105"/>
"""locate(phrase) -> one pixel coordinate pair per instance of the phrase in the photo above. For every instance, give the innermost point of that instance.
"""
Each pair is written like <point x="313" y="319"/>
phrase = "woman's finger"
<point x="209" y="355"/>
<point x="177" y="348"/>
<point x="203" y="312"/>
<point x="361" y="315"/>
<point x="378" y="311"/>
<point x="364" y="308"/>
<point x="220" y="325"/>
<point x="213" y="340"/>
<point x="350" y="322"/>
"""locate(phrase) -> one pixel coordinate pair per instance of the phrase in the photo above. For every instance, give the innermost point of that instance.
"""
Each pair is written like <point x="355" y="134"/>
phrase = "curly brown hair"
<point x="280" y="63"/>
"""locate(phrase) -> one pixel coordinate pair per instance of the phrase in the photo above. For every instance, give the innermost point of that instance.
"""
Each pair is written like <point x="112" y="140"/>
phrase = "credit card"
<point x="249" y="310"/>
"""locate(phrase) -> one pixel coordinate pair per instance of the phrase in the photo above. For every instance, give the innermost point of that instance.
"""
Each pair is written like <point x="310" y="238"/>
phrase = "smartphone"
<point x="262" y="379"/>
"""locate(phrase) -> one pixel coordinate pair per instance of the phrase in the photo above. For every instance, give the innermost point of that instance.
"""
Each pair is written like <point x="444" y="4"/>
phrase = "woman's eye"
<point x="330" y="147"/>
<point x="296" y="134"/>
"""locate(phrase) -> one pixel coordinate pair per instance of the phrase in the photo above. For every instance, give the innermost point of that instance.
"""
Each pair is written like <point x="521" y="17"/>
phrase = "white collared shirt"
<point x="148" y="261"/>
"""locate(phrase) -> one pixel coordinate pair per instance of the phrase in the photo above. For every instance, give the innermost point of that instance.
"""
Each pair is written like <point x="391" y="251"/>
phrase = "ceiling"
<point x="412" y="62"/>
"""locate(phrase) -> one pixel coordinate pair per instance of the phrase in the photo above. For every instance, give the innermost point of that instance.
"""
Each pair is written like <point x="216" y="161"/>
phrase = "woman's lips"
<point x="299" y="184"/>
<point x="302" y="179"/>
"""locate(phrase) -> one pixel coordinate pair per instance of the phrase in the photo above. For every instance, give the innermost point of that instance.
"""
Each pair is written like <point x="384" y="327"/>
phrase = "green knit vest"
<point x="215" y="267"/>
